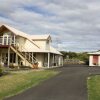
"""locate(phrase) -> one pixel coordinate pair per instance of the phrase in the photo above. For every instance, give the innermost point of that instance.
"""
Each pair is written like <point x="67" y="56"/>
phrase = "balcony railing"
<point x="7" y="40"/>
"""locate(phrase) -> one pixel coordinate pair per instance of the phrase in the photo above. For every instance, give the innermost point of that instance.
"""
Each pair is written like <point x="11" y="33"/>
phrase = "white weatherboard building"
<point x="21" y="49"/>
<point x="94" y="58"/>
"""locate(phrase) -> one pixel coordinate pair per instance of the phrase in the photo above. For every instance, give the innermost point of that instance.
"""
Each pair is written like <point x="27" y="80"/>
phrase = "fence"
<point x="73" y="61"/>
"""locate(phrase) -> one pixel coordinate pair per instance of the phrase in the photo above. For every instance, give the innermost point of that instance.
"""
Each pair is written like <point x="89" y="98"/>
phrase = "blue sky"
<point x="73" y="24"/>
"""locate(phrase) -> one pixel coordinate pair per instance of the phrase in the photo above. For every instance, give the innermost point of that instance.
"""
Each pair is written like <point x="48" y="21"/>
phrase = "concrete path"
<point x="70" y="84"/>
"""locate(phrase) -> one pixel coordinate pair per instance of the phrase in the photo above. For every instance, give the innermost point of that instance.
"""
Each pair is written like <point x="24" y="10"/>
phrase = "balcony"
<point x="7" y="40"/>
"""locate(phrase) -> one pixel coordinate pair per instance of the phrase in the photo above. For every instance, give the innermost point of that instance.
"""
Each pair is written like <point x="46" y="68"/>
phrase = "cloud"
<point x="73" y="24"/>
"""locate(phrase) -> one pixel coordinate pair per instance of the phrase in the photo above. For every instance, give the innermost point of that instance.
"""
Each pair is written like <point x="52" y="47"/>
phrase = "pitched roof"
<point x="53" y="50"/>
<point x="31" y="38"/>
<point x="95" y="53"/>
<point x="19" y="33"/>
<point x="15" y="31"/>
<point x="40" y="37"/>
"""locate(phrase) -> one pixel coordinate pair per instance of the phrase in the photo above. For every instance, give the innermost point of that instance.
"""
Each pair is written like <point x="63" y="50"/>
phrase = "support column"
<point x="1" y="59"/>
<point x="14" y="40"/>
<point x="62" y="61"/>
<point x="99" y="60"/>
<point x="53" y="60"/>
<point x="59" y="60"/>
<point x="32" y="58"/>
<point x="48" y="60"/>
<point x="8" y="56"/>
<point x="25" y="58"/>
<point x="29" y="55"/>
<point x="90" y="60"/>
<point x="16" y="59"/>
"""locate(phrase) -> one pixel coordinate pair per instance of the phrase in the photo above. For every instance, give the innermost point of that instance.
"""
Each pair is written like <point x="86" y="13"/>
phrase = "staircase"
<point x="28" y="58"/>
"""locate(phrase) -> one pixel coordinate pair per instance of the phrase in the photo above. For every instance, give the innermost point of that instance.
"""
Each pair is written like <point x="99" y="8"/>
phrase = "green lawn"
<point x="16" y="82"/>
<point x="94" y="87"/>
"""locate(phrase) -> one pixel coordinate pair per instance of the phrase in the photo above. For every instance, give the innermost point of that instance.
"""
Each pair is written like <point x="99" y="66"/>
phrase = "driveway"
<point x="70" y="84"/>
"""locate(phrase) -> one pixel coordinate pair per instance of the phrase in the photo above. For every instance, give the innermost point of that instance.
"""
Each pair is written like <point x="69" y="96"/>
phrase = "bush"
<point x="1" y="71"/>
<point x="11" y="65"/>
<point x="87" y="62"/>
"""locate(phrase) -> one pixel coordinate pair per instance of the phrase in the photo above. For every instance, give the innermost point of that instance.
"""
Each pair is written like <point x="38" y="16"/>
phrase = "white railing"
<point x="30" y="55"/>
<point x="27" y="55"/>
<point x="7" y="40"/>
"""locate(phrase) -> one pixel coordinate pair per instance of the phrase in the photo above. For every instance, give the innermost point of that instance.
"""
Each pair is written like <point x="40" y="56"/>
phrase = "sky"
<point x="74" y="25"/>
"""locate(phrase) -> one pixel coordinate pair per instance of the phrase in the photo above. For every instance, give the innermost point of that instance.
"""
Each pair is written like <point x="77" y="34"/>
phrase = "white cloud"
<point x="72" y="23"/>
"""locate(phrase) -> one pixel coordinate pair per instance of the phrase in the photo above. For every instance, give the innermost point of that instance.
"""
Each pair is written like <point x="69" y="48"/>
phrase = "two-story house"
<point x="21" y="49"/>
<point x="48" y="56"/>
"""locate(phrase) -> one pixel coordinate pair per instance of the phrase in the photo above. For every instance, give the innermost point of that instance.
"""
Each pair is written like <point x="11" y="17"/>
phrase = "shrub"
<point x="1" y="71"/>
<point x="87" y="62"/>
<point x="11" y="65"/>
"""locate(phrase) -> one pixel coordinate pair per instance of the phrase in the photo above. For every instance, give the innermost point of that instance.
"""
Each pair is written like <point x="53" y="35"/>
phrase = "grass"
<point x="93" y="83"/>
<point x="17" y="82"/>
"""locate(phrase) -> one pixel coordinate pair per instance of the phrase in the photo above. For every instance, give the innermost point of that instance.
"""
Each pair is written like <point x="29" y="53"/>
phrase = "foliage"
<point x="1" y="71"/>
<point x="73" y="55"/>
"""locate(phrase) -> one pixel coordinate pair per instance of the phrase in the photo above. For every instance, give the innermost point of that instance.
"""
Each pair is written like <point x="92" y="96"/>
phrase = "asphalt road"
<point x="70" y="84"/>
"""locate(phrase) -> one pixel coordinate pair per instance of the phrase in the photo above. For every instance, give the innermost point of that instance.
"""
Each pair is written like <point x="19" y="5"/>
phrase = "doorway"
<point x="95" y="59"/>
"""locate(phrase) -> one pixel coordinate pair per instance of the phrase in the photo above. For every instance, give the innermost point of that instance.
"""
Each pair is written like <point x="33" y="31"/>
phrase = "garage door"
<point x="95" y="59"/>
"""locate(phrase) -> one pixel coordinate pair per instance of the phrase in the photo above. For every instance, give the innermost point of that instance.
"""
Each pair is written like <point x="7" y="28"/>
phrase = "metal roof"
<point x="40" y="37"/>
<point x="35" y="47"/>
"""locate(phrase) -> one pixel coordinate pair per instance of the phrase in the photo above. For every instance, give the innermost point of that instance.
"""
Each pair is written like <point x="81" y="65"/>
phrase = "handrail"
<point x="27" y="52"/>
<point x="20" y="54"/>
<point x="31" y="58"/>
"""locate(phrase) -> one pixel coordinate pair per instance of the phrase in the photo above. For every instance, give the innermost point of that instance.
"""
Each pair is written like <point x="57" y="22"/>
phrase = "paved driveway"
<point x="70" y="84"/>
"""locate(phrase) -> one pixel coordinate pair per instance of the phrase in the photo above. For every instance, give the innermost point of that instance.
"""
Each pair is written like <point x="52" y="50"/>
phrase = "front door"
<point x="95" y="59"/>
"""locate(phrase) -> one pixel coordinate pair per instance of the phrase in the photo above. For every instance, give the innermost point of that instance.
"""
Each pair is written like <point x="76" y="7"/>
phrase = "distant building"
<point x="21" y="49"/>
<point x="94" y="58"/>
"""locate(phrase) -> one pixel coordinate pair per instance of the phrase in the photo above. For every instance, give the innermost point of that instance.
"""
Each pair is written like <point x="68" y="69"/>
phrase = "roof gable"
<point x="30" y="38"/>
<point x="15" y="31"/>
<point x="40" y="37"/>
<point x="18" y="33"/>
